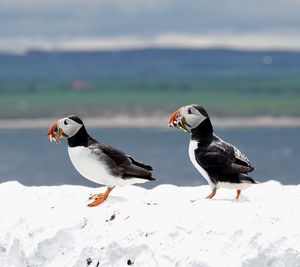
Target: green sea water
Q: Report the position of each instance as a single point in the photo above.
(142, 82)
(222, 98)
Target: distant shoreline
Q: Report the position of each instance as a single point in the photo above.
(154, 121)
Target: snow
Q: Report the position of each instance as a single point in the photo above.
(53, 227)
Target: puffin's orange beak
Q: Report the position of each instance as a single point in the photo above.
(173, 118)
(178, 121)
(52, 129)
(54, 132)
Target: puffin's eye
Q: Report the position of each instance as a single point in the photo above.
(189, 111)
(65, 122)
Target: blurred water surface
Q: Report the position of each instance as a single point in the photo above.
(28, 157)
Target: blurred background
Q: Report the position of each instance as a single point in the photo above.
(126, 65)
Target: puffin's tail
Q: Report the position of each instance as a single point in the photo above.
(245, 178)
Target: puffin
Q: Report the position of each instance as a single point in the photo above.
(98, 162)
(219, 162)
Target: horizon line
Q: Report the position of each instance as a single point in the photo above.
(236, 42)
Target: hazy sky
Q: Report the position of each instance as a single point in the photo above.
(92, 24)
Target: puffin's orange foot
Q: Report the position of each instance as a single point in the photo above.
(212, 194)
(99, 198)
(95, 196)
(97, 201)
(238, 192)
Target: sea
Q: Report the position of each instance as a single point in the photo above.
(27, 156)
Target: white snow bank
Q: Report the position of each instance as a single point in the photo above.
(52, 226)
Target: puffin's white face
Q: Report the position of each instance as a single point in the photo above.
(186, 118)
(68, 126)
(65, 127)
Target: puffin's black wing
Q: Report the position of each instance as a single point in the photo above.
(140, 164)
(240, 158)
(223, 156)
(121, 164)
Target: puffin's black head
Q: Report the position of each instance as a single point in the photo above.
(188, 117)
(65, 127)
(75, 118)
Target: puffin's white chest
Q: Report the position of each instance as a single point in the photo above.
(89, 166)
(194, 145)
